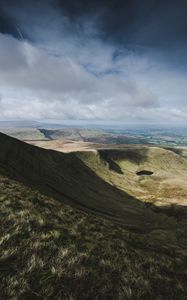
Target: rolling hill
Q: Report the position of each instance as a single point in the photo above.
(69, 223)
(166, 184)
(68, 178)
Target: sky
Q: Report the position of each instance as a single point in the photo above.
(118, 60)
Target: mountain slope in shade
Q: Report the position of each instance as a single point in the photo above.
(50, 250)
(56, 247)
(69, 179)
(127, 167)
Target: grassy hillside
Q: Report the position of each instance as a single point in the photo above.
(68, 178)
(167, 184)
(24, 133)
(50, 250)
(74, 134)
(68, 234)
(69, 134)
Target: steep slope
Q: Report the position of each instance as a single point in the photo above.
(123, 168)
(69, 179)
(50, 250)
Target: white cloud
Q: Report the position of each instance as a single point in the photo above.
(63, 81)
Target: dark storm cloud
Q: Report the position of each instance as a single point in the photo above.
(145, 23)
(85, 59)
(6, 25)
(136, 25)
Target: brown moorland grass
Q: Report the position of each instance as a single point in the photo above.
(68, 233)
(50, 250)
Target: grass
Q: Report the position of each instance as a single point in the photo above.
(68, 233)
(67, 178)
(25, 133)
(119, 167)
(50, 250)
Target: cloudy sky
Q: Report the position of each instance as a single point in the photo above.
(93, 60)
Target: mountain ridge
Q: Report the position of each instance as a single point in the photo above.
(67, 178)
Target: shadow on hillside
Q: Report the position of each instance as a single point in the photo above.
(66, 178)
(136, 155)
(133, 155)
(179, 212)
